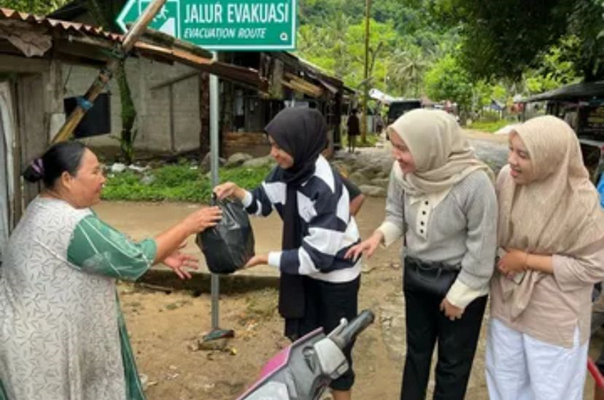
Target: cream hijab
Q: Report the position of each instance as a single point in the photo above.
(442, 156)
(558, 213)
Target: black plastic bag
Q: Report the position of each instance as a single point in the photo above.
(229, 245)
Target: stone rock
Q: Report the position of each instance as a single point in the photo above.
(259, 162)
(343, 156)
(237, 159)
(359, 178)
(369, 172)
(148, 179)
(373, 191)
(382, 182)
(384, 174)
(138, 168)
(214, 345)
(381, 165)
(118, 167)
(206, 162)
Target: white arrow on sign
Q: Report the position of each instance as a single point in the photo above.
(163, 21)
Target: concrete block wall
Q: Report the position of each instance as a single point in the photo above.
(152, 105)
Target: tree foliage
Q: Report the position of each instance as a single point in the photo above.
(38, 7)
(556, 68)
(447, 80)
(467, 51)
(338, 46)
(504, 38)
(403, 42)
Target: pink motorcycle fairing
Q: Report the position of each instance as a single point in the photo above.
(277, 363)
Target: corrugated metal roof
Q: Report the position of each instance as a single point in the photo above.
(65, 26)
(578, 91)
(147, 48)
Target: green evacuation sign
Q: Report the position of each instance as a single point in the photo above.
(223, 24)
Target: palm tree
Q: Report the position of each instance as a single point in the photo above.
(406, 69)
(336, 41)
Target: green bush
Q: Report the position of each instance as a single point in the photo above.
(180, 182)
(490, 116)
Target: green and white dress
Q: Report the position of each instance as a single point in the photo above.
(62, 333)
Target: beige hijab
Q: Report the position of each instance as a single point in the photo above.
(442, 156)
(558, 213)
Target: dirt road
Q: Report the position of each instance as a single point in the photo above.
(167, 329)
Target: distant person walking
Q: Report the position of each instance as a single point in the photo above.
(354, 130)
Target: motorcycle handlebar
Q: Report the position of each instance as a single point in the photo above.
(352, 330)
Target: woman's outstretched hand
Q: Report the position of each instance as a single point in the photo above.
(366, 247)
(258, 259)
(180, 262)
(203, 219)
(229, 189)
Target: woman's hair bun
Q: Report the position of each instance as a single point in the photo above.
(34, 171)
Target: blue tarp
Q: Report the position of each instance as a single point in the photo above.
(601, 190)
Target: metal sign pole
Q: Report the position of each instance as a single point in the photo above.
(214, 158)
(217, 332)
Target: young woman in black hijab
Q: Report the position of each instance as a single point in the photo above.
(319, 286)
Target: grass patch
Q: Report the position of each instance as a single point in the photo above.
(489, 126)
(181, 182)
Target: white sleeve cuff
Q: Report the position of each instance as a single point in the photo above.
(274, 259)
(247, 199)
(391, 232)
(460, 294)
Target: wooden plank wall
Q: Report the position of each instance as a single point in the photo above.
(38, 96)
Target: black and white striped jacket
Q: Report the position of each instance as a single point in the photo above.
(328, 228)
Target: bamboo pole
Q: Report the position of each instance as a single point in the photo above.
(106, 73)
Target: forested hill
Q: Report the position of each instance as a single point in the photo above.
(469, 51)
(405, 41)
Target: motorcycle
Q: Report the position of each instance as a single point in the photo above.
(304, 370)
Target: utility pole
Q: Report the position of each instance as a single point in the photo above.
(366, 74)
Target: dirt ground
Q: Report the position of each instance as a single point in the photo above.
(167, 329)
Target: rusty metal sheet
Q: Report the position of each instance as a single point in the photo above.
(65, 26)
(146, 48)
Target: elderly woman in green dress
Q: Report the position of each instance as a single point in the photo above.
(62, 334)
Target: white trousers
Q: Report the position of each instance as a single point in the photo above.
(520, 367)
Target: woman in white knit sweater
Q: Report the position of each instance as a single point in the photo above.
(442, 202)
